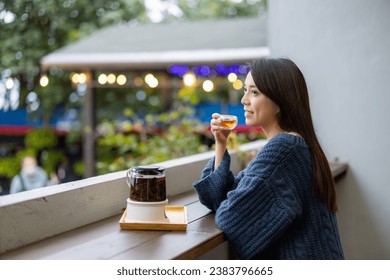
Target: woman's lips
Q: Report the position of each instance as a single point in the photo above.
(248, 113)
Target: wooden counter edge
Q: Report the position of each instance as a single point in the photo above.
(339, 170)
(202, 248)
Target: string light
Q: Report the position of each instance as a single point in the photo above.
(82, 78)
(153, 83)
(9, 83)
(121, 79)
(237, 84)
(149, 77)
(111, 78)
(189, 79)
(44, 81)
(178, 70)
(232, 77)
(208, 71)
(138, 82)
(151, 80)
(78, 78)
(189, 76)
(9, 92)
(74, 78)
(208, 85)
(102, 79)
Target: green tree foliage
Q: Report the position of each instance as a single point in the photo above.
(31, 29)
(40, 138)
(202, 9)
(40, 27)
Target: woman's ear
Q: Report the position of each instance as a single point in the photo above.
(277, 108)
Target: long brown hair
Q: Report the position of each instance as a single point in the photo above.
(281, 81)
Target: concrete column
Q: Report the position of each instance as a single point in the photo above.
(89, 125)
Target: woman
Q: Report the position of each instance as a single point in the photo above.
(282, 206)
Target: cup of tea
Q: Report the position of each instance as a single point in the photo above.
(228, 121)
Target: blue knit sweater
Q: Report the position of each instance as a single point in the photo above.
(267, 211)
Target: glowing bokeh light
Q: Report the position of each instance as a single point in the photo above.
(151, 80)
(153, 83)
(121, 79)
(74, 77)
(189, 79)
(237, 84)
(232, 77)
(111, 78)
(82, 78)
(9, 83)
(44, 81)
(149, 77)
(102, 79)
(178, 70)
(208, 86)
(138, 81)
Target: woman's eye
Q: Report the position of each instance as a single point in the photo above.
(252, 91)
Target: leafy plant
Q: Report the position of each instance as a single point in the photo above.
(50, 160)
(9, 167)
(39, 139)
(158, 138)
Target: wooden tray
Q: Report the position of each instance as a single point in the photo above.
(177, 220)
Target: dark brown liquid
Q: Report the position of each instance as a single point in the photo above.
(148, 189)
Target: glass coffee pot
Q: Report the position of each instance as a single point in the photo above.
(147, 183)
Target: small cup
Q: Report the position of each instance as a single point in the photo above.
(228, 121)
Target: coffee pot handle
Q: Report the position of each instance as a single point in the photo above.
(129, 174)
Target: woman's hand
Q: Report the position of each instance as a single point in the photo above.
(220, 133)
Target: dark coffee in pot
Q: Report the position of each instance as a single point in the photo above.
(147, 184)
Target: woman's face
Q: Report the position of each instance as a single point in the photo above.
(259, 109)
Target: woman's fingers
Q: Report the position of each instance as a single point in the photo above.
(214, 122)
(220, 133)
(215, 125)
(215, 116)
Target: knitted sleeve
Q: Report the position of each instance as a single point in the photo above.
(214, 185)
(260, 206)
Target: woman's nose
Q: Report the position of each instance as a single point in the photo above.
(244, 100)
